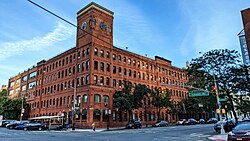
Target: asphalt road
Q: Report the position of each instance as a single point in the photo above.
(171, 133)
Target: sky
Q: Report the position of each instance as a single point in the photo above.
(174, 29)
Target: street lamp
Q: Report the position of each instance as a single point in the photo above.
(22, 111)
(74, 107)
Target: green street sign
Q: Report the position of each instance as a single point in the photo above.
(223, 99)
(198, 93)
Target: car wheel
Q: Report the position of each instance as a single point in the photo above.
(25, 129)
(11, 127)
(40, 128)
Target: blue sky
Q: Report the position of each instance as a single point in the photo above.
(174, 29)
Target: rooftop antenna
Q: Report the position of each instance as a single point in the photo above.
(126, 48)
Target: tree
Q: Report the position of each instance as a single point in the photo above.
(3, 93)
(11, 108)
(160, 101)
(128, 100)
(217, 65)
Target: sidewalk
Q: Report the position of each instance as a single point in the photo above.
(222, 137)
(96, 130)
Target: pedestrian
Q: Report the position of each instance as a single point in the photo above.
(93, 126)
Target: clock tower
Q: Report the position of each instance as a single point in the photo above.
(97, 23)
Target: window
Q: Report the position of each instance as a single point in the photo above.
(129, 61)
(119, 70)
(96, 51)
(102, 53)
(114, 83)
(95, 79)
(129, 72)
(102, 66)
(88, 51)
(85, 98)
(24, 78)
(105, 99)
(101, 80)
(97, 98)
(84, 115)
(107, 81)
(32, 84)
(23, 87)
(107, 67)
(82, 66)
(138, 64)
(119, 58)
(11, 92)
(70, 60)
(32, 75)
(114, 115)
(82, 80)
(114, 69)
(96, 115)
(124, 60)
(78, 68)
(17, 90)
(18, 81)
(87, 65)
(87, 80)
(114, 57)
(107, 54)
(134, 74)
(83, 53)
(134, 62)
(125, 71)
(120, 83)
(95, 65)
(139, 75)
(11, 84)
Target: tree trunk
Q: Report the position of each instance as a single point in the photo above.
(158, 113)
(232, 107)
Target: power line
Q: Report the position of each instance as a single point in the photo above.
(68, 22)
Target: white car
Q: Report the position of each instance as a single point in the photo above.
(181, 121)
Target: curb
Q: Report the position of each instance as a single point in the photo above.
(215, 138)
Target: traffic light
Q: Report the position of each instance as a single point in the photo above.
(214, 88)
(160, 89)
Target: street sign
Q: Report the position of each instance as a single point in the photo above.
(223, 99)
(198, 93)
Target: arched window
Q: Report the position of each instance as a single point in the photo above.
(105, 99)
(102, 53)
(96, 51)
(85, 98)
(97, 98)
(84, 115)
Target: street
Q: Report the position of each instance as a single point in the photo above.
(176, 133)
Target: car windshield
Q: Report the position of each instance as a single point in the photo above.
(242, 127)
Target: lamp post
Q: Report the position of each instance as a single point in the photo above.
(22, 111)
(74, 107)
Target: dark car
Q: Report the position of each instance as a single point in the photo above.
(240, 132)
(160, 123)
(31, 126)
(227, 125)
(212, 120)
(202, 121)
(134, 124)
(190, 121)
(12, 125)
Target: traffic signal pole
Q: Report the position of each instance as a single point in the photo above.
(222, 131)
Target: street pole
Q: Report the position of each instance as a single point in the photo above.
(222, 131)
(74, 106)
(21, 111)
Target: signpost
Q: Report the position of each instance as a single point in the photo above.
(198, 93)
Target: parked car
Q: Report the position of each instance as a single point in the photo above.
(160, 123)
(181, 122)
(202, 121)
(5, 122)
(134, 124)
(190, 121)
(212, 120)
(31, 126)
(15, 123)
(227, 125)
(240, 132)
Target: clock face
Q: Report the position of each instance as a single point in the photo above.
(84, 25)
(103, 26)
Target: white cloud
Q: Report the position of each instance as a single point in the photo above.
(60, 33)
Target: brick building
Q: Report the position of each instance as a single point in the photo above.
(92, 71)
(245, 36)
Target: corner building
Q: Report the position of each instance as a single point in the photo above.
(93, 71)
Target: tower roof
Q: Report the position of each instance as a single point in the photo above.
(96, 6)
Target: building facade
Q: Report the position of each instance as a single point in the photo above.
(91, 72)
(244, 36)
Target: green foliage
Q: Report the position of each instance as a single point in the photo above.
(11, 108)
(3, 93)
(160, 101)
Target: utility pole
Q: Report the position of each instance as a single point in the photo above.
(74, 107)
(222, 131)
(22, 111)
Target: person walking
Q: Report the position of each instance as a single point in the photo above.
(93, 126)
